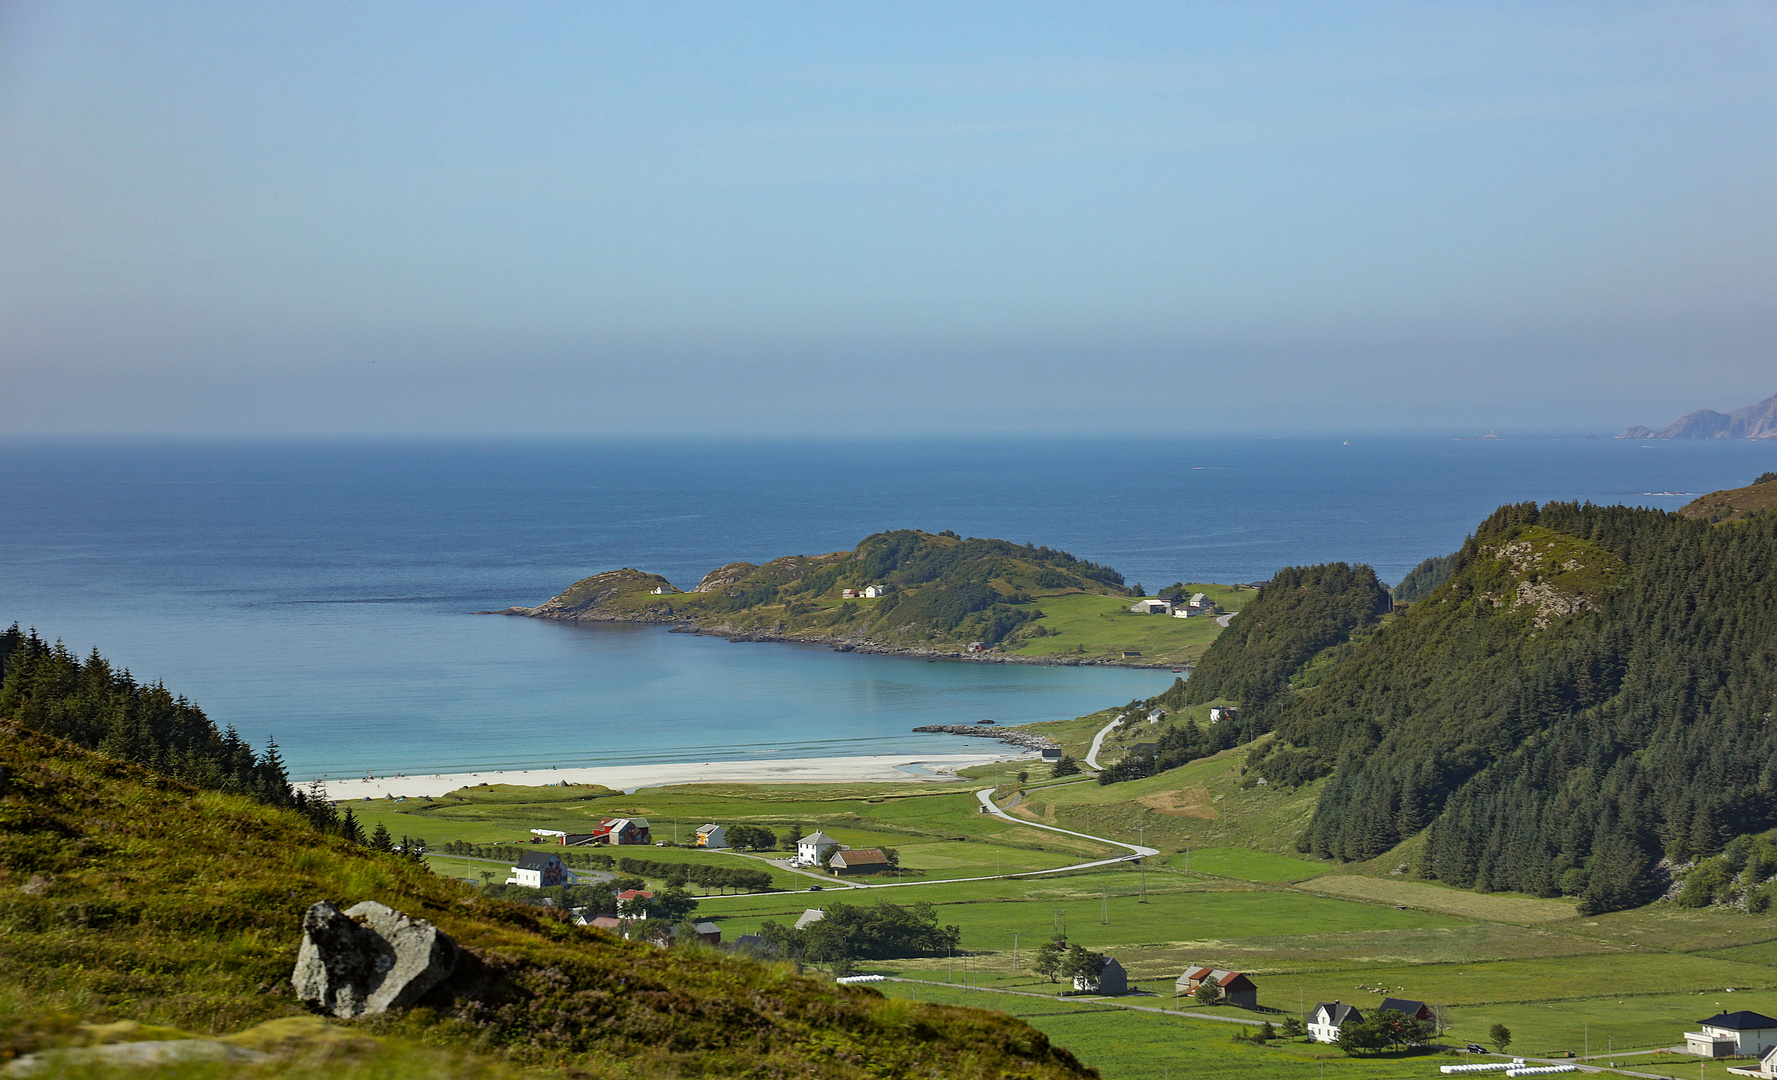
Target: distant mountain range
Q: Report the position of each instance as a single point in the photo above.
(1753, 422)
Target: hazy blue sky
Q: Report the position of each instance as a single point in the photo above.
(603, 218)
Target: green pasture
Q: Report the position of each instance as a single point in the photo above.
(1202, 804)
(1124, 1044)
(1246, 864)
(991, 912)
(1084, 624)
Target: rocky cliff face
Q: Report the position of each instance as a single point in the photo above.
(1753, 422)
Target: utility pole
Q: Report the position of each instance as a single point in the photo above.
(1014, 952)
(1104, 919)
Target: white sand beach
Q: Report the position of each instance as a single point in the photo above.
(907, 767)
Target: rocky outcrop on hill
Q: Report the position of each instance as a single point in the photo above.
(1753, 422)
(723, 576)
(982, 731)
(368, 958)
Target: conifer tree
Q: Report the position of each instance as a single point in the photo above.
(380, 838)
(350, 829)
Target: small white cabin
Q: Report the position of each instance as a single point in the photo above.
(871, 592)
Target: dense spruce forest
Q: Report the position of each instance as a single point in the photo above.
(1300, 611)
(90, 703)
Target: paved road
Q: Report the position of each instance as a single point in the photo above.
(1223, 620)
(1098, 743)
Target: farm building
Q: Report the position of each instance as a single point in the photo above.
(809, 917)
(1418, 1010)
(1151, 607)
(712, 836)
(860, 861)
(1326, 1019)
(622, 831)
(1735, 1034)
(1236, 988)
(1112, 979)
(540, 870)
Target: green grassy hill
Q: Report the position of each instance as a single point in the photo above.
(941, 593)
(128, 896)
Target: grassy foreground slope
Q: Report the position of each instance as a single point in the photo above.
(128, 896)
(941, 593)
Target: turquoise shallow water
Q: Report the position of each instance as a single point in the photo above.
(321, 592)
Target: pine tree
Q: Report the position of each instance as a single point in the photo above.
(380, 838)
(350, 829)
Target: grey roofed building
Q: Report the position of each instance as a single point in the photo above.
(1112, 979)
(1328, 1017)
(1418, 1010)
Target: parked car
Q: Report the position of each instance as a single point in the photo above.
(814, 888)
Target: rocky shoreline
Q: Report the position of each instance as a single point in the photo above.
(983, 731)
(682, 625)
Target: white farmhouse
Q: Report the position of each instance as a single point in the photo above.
(814, 847)
(871, 592)
(1735, 1034)
(540, 870)
(712, 836)
(1326, 1019)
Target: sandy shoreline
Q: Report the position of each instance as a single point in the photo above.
(904, 767)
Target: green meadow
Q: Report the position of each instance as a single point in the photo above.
(1089, 625)
(1228, 890)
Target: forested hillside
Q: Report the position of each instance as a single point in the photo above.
(1299, 612)
(938, 588)
(1590, 692)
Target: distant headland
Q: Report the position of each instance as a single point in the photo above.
(933, 595)
(1753, 422)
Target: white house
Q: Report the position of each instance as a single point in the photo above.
(712, 836)
(540, 869)
(1183, 611)
(814, 847)
(1735, 1034)
(871, 592)
(1151, 607)
(1324, 1022)
(662, 590)
(1766, 1069)
(1199, 600)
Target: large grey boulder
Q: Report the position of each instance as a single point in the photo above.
(368, 958)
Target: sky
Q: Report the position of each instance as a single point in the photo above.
(926, 219)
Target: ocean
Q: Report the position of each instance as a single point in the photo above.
(322, 592)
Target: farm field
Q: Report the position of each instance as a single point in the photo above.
(1128, 1045)
(1088, 625)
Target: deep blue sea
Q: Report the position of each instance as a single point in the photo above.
(322, 592)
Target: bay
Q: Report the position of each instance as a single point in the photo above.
(322, 591)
